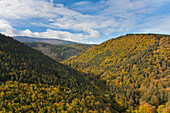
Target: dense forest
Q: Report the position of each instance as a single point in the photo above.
(128, 74)
(136, 68)
(33, 82)
(59, 52)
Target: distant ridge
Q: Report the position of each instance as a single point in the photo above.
(59, 52)
(44, 40)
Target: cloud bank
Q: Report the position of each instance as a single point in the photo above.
(81, 21)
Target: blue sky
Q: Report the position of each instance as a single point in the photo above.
(85, 21)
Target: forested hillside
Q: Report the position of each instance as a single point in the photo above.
(33, 82)
(22, 63)
(136, 68)
(59, 52)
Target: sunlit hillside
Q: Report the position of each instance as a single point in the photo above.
(135, 67)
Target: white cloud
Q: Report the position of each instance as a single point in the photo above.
(21, 9)
(27, 32)
(82, 3)
(59, 35)
(61, 16)
(126, 5)
(6, 28)
(61, 22)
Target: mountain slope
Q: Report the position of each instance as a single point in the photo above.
(59, 52)
(33, 82)
(23, 63)
(44, 40)
(135, 67)
(112, 52)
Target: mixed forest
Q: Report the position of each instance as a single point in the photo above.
(128, 74)
(136, 68)
(33, 82)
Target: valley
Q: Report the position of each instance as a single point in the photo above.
(59, 52)
(84, 56)
(126, 74)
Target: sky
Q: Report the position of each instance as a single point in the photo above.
(84, 21)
